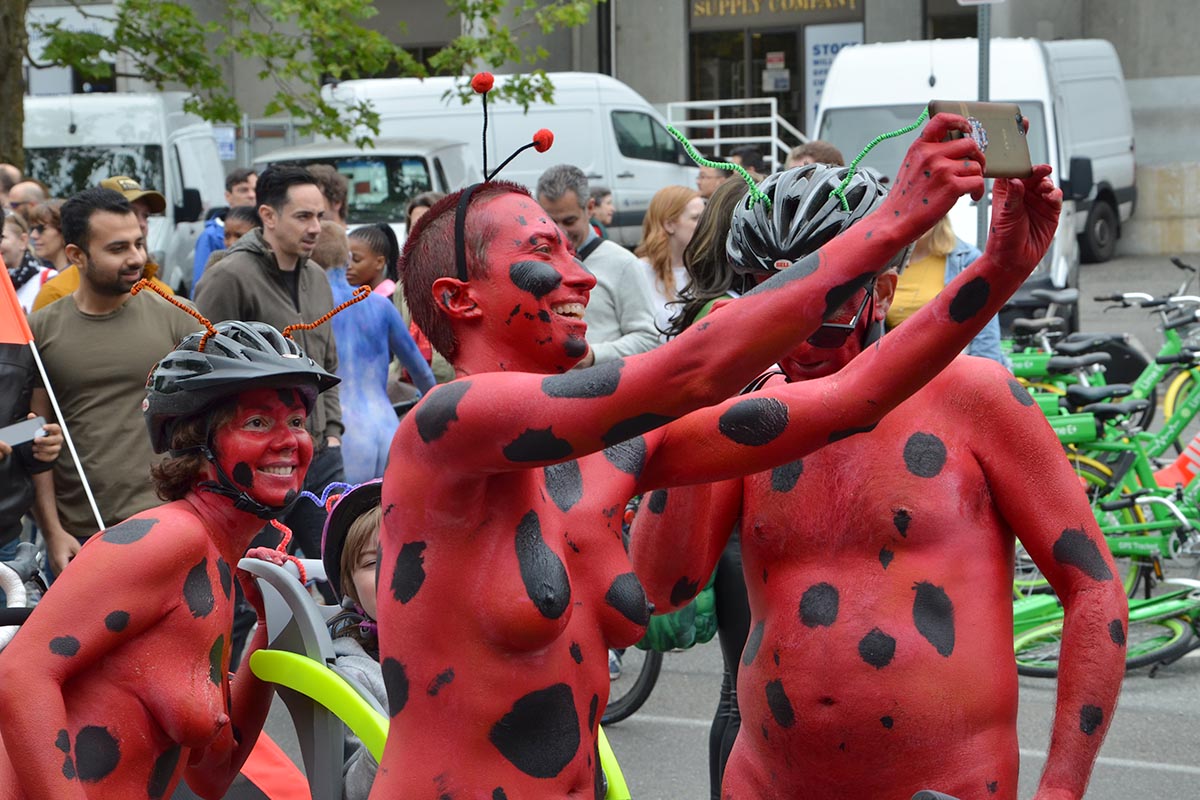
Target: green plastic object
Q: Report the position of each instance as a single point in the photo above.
(1074, 428)
(695, 623)
(313, 679)
(617, 788)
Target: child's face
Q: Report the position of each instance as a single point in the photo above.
(364, 576)
(234, 230)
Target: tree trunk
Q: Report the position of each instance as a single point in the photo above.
(13, 38)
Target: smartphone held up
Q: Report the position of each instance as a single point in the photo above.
(998, 129)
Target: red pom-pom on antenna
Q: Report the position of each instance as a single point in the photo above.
(482, 82)
(542, 140)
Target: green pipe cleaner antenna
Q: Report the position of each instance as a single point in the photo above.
(840, 191)
(756, 195)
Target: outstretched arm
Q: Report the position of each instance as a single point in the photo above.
(539, 421)
(404, 348)
(783, 423)
(1039, 496)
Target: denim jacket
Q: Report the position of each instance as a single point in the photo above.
(987, 343)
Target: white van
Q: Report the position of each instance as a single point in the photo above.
(383, 178)
(1073, 94)
(600, 125)
(72, 142)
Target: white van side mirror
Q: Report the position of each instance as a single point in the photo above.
(1079, 185)
(191, 208)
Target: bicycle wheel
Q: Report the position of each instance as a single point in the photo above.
(627, 693)
(1180, 387)
(1152, 641)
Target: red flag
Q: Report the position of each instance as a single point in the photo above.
(14, 329)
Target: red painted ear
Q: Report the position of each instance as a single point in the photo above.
(482, 82)
(542, 140)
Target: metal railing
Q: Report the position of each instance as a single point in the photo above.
(753, 112)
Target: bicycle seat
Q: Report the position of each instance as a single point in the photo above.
(1110, 411)
(1025, 327)
(1074, 344)
(1060, 297)
(1083, 395)
(1061, 365)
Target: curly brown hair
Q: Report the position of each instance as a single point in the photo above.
(175, 476)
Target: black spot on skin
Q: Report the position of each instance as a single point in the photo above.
(658, 501)
(765, 734)
(1076, 549)
(924, 455)
(521, 220)
(564, 482)
(836, 297)
(798, 270)
(753, 642)
(877, 648)
(129, 531)
(925, 201)
(628, 456)
(409, 573)
(837, 436)
(438, 409)
(1018, 391)
(542, 571)
(498, 794)
(928, 174)
(684, 590)
(576, 653)
(536, 277)
(775, 656)
(626, 595)
(215, 654)
(225, 575)
(197, 590)
(587, 384)
(819, 605)
(754, 422)
(827, 701)
(887, 722)
(543, 315)
(575, 346)
(993, 787)
(97, 753)
(593, 707)
(1116, 632)
(160, 775)
(442, 680)
(537, 444)
(885, 557)
(780, 705)
(63, 740)
(540, 735)
(784, 479)
(1090, 719)
(64, 646)
(116, 621)
(901, 519)
(68, 769)
(395, 679)
(933, 614)
(634, 426)
(970, 300)
(243, 474)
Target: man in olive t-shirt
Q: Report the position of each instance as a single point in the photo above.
(98, 346)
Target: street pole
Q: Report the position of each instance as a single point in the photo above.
(984, 20)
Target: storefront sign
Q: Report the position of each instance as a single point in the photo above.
(708, 15)
(821, 44)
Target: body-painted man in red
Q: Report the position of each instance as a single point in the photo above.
(879, 571)
(503, 580)
(118, 685)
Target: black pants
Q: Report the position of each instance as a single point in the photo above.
(306, 520)
(733, 627)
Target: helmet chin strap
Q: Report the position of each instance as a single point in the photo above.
(225, 487)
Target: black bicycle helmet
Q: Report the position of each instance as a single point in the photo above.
(241, 356)
(803, 216)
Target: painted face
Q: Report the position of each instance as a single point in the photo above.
(242, 194)
(234, 230)
(293, 229)
(682, 227)
(47, 241)
(536, 290)
(364, 576)
(265, 448)
(809, 361)
(116, 253)
(13, 244)
(570, 215)
(366, 266)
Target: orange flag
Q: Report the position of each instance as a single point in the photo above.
(14, 329)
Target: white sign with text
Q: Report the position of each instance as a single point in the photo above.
(821, 44)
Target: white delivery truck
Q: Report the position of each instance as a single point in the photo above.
(72, 142)
(600, 125)
(1073, 94)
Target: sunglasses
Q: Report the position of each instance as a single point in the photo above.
(835, 334)
(38, 229)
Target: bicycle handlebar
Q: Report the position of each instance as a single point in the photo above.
(1185, 357)
(1180, 320)
(1181, 265)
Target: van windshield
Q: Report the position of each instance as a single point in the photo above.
(851, 129)
(380, 186)
(69, 170)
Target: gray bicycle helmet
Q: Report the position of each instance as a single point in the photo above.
(241, 356)
(802, 217)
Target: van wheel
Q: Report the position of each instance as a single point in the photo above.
(1098, 242)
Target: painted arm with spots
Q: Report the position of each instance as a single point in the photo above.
(777, 425)
(1039, 497)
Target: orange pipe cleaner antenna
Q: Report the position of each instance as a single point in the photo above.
(361, 293)
(146, 283)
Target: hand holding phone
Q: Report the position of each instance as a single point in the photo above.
(999, 131)
(21, 432)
